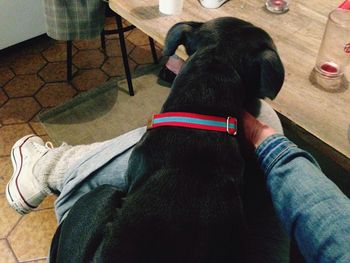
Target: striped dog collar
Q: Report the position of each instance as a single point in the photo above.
(194, 121)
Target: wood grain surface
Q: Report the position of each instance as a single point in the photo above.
(322, 112)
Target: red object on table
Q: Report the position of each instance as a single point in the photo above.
(345, 5)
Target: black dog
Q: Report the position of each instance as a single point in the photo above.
(184, 201)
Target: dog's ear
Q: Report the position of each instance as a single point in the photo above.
(182, 33)
(264, 71)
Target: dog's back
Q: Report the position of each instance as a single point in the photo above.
(184, 203)
(186, 208)
(176, 219)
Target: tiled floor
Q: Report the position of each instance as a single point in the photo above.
(33, 79)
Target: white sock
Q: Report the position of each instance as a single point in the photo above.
(51, 169)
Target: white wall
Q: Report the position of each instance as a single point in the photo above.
(20, 20)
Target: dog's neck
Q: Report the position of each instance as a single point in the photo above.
(206, 86)
(194, 121)
(191, 99)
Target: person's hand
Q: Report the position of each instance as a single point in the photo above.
(254, 130)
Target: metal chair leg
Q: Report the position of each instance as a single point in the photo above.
(103, 40)
(69, 60)
(124, 53)
(153, 50)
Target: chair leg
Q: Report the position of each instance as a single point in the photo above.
(124, 53)
(103, 41)
(153, 50)
(69, 60)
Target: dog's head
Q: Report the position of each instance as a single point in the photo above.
(237, 51)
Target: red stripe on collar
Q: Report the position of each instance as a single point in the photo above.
(194, 121)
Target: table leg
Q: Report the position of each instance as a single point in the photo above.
(124, 54)
(153, 50)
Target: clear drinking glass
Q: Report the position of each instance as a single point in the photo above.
(334, 52)
(171, 7)
(277, 6)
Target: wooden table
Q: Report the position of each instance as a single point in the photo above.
(321, 116)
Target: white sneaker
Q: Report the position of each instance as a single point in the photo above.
(24, 192)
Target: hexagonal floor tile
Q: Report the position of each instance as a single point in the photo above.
(57, 52)
(46, 138)
(143, 55)
(53, 94)
(31, 238)
(137, 37)
(125, 22)
(28, 64)
(88, 79)
(37, 127)
(3, 97)
(55, 71)
(5, 173)
(47, 203)
(87, 44)
(113, 48)
(113, 66)
(6, 75)
(19, 110)
(10, 134)
(8, 218)
(110, 24)
(38, 261)
(6, 254)
(87, 59)
(110, 20)
(23, 85)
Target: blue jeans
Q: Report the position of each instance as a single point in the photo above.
(311, 208)
(107, 165)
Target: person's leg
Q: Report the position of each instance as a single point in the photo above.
(40, 170)
(171, 68)
(79, 181)
(268, 242)
(265, 113)
(24, 191)
(53, 167)
(105, 164)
